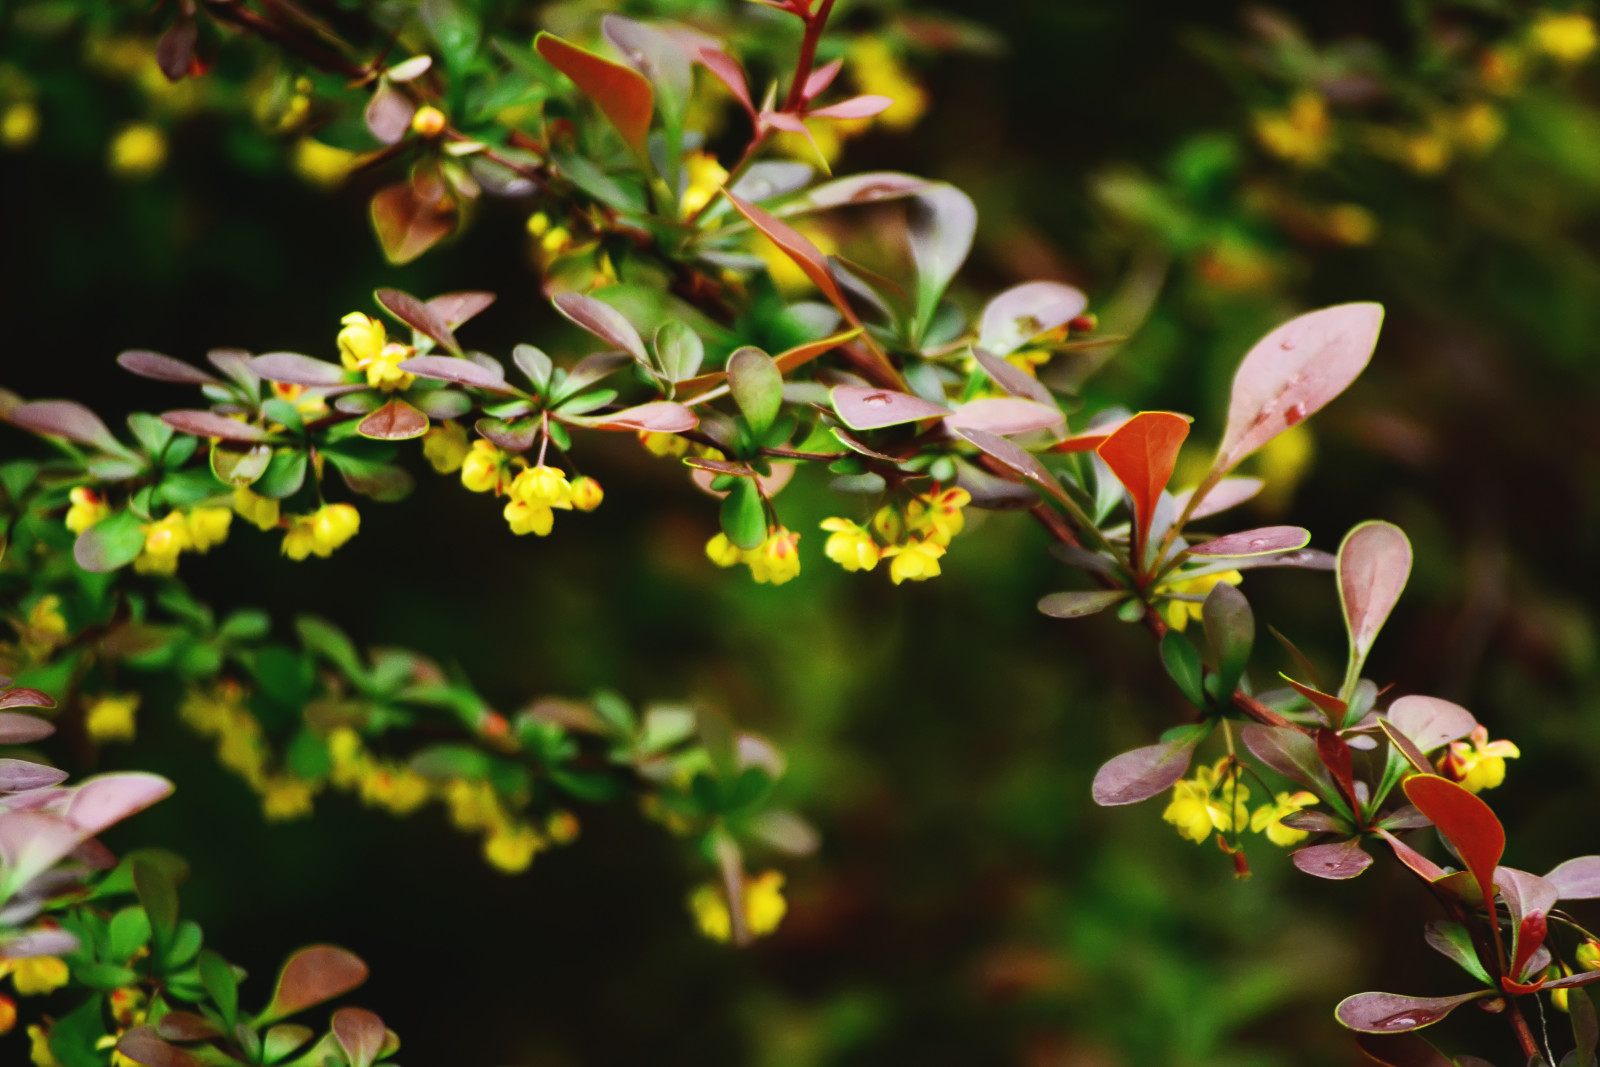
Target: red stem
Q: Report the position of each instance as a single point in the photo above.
(808, 54)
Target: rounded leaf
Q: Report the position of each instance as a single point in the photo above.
(1023, 312)
(1392, 1013)
(1143, 772)
(163, 368)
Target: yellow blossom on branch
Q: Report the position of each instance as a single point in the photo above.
(486, 469)
(37, 975)
(764, 907)
(914, 561)
(1179, 613)
(261, 511)
(1302, 134)
(319, 533)
(88, 507)
(111, 718)
(1269, 817)
(207, 527)
(777, 559)
(1213, 800)
(850, 545)
(1477, 763)
(445, 446)
(1567, 37)
(164, 541)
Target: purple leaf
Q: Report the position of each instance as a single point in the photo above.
(420, 317)
(864, 408)
(869, 188)
(1144, 772)
(187, 1026)
(31, 842)
(943, 220)
(63, 418)
(453, 309)
(175, 50)
(1023, 312)
(1266, 540)
(40, 941)
(1292, 372)
(458, 371)
(1292, 754)
(1429, 722)
(1076, 604)
(1228, 493)
(509, 435)
(16, 729)
(292, 368)
(1374, 563)
(1318, 822)
(658, 416)
(105, 800)
(1404, 1050)
(17, 775)
(1016, 459)
(143, 1045)
(1525, 893)
(1336, 860)
(1391, 1013)
(1012, 380)
(24, 697)
(1577, 878)
(164, 368)
(604, 321)
(202, 423)
(389, 113)
(311, 976)
(857, 107)
(395, 421)
(1006, 415)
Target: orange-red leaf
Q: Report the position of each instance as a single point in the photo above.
(624, 95)
(797, 247)
(1466, 822)
(1142, 453)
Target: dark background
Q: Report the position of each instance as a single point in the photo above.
(969, 904)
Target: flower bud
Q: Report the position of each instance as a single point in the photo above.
(586, 494)
(428, 122)
(1588, 955)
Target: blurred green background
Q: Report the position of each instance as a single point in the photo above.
(969, 904)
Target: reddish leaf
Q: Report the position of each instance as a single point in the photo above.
(1228, 493)
(411, 217)
(1402, 1050)
(24, 697)
(1012, 380)
(1391, 1013)
(389, 113)
(17, 775)
(942, 222)
(870, 188)
(163, 368)
(1335, 756)
(175, 50)
(1429, 722)
(1006, 415)
(457, 308)
(395, 421)
(1294, 755)
(604, 321)
(1577, 879)
(459, 371)
(1527, 939)
(864, 408)
(187, 1026)
(1143, 772)
(1466, 822)
(805, 255)
(511, 436)
(1292, 372)
(17, 729)
(292, 368)
(1337, 860)
(1023, 312)
(1374, 563)
(1141, 453)
(420, 317)
(1329, 705)
(203, 423)
(360, 1033)
(857, 107)
(1016, 459)
(820, 79)
(143, 1045)
(726, 70)
(107, 799)
(800, 355)
(624, 95)
(311, 976)
(1260, 542)
(63, 418)
(658, 416)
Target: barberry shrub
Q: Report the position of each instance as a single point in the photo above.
(732, 339)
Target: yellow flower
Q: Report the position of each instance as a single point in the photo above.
(163, 542)
(938, 516)
(361, 340)
(39, 1049)
(19, 124)
(45, 621)
(472, 804)
(322, 165)
(663, 444)
(1269, 817)
(445, 446)
(138, 151)
(1179, 613)
(37, 975)
(878, 71)
(207, 527)
(705, 176)
(889, 524)
(259, 510)
(1478, 127)
(1566, 37)
(1477, 763)
(586, 493)
(110, 718)
(563, 827)
(914, 561)
(777, 560)
(286, 798)
(1302, 134)
(850, 545)
(399, 789)
(511, 847)
(126, 1005)
(722, 552)
(764, 907)
(319, 533)
(484, 469)
(428, 121)
(525, 518)
(1214, 799)
(88, 507)
(542, 486)
(1349, 224)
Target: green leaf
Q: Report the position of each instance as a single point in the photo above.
(329, 642)
(1231, 630)
(757, 386)
(222, 985)
(744, 520)
(284, 475)
(1182, 661)
(105, 976)
(679, 350)
(239, 467)
(151, 432)
(113, 542)
(158, 892)
(128, 932)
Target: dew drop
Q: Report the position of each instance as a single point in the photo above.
(876, 400)
(1258, 542)
(1287, 344)
(1295, 414)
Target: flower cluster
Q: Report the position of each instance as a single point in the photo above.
(320, 532)
(1215, 800)
(774, 561)
(1477, 763)
(914, 538)
(364, 346)
(221, 712)
(764, 907)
